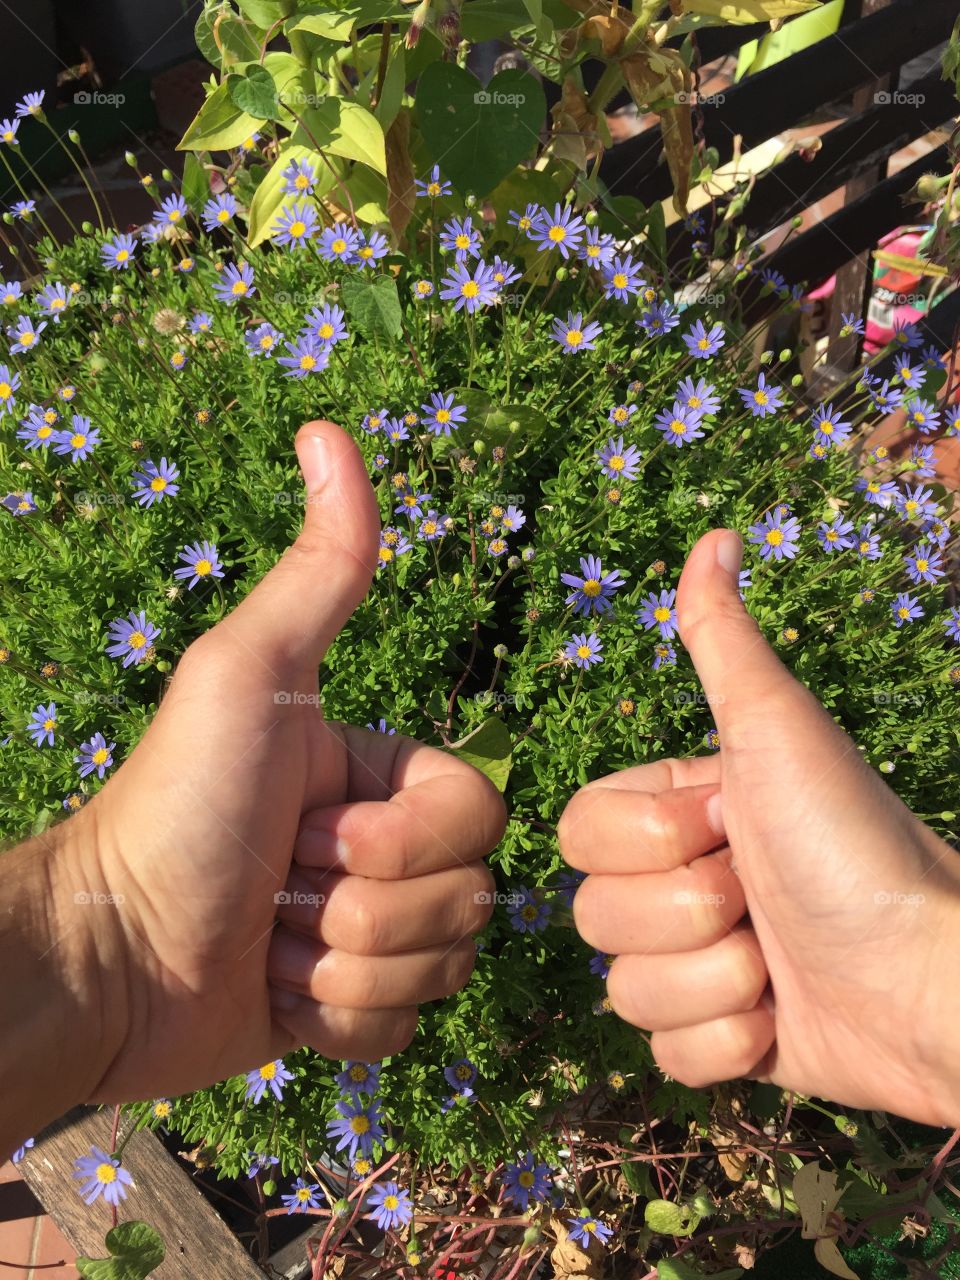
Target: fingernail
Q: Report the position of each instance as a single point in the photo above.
(292, 958)
(730, 552)
(318, 847)
(714, 812)
(313, 462)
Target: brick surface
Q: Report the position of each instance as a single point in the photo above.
(28, 1239)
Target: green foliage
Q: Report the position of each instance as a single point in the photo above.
(479, 134)
(135, 1250)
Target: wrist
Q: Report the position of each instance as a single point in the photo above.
(63, 1000)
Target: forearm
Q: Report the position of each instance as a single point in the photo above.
(57, 970)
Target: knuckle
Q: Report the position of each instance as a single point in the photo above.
(366, 927)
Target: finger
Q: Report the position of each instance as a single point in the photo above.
(615, 828)
(723, 1049)
(303, 965)
(360, 1034)
(663, 992)
(739, 671)
(299, 607)
(662, 911)
(378, 918)
(436, 812)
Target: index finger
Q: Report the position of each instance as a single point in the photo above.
(650, 818)
(434, 811)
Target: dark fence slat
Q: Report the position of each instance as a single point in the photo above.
(848, 151)
(783, 95)
(815, 255)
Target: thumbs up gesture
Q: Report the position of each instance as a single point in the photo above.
(775, 910)
(277, 880)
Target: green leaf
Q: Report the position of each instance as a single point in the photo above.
(344, 129)
(218, 125)
(263, 12)
(255, 93)
(669, 1219)
(676, 1269)
(479, 135)
(135, 1250)
(394, 83)
(195, 185)
(331, 24)
(203, 34)
(373, 305)
(744, 11)
(239, 41)
(489, 749)
(270, 195)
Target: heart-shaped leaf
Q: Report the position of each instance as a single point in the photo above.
(135, 1250)
(255, 93)
(479, 135)
(489, 749)
(373, 305)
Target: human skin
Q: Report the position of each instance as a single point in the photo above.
(139, 946)
(775, 910)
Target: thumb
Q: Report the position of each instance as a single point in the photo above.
(747, 687)
(294, 613)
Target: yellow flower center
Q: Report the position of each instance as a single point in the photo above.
(137, 640)
(761, 397)
(158, 484)
(433, 189)
(470, 289)
(202, 568)
(574, 337)
(526, 1179)
(77, 441)
(339, 245)
(308, 362)
(774, 537)
(390, 1202)
(360, 1124)
(619, 280)
(615, 462)
(100, 756)
(325, 331)
(106, 1173)
(269, 1071)
(583, 651)
(922, 566)
(50, 724)
(27, 337)
(239, 287)
(557, 234)
(223, 215)
(591, 587)
(6, 391)
(298, 228)
(661, 613)
(443, 415)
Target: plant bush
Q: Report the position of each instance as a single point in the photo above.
(563, 437)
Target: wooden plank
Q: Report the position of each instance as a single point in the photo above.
(816, 254)
(785, 94)
(198, 1242)
(852, 288)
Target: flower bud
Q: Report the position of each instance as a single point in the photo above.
(130, 159)
(591, 217)
(785, 355)
(86, 227)
(73, 136)
(167, 175)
